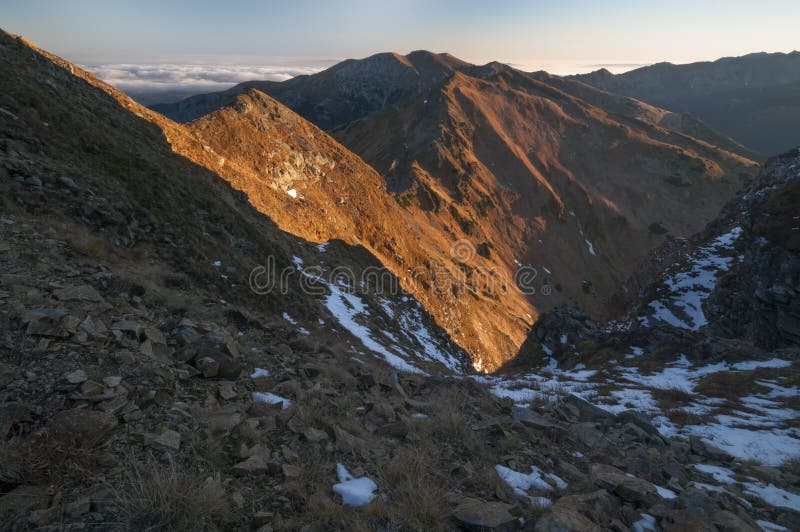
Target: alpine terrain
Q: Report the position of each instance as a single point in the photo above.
(404, 293)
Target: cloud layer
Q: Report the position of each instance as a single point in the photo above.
(168, 77)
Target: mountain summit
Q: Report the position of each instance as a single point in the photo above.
(345, 92)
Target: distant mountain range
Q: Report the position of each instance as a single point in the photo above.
(530, 170)
(754, 99)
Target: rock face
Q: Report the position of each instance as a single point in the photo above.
(557, 330)
(552, 190)
(748, 98)
(759, 298)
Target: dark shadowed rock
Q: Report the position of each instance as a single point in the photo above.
(477, 515)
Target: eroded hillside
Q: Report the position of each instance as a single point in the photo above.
(539, 177)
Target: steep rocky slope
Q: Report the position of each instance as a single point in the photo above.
(618, 104)
(535, 176)
(485, 162)
(753, 98)
(313, 187)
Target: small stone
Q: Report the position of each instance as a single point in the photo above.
(112, 381)
(76, 377)
(227, 392)
(169, 439)
(67, 182)
(207, 366)
(91, 388)
(254, 464)
(79, 293)
(291, 471)
(315, 435)
(78, 508)
(33, 181)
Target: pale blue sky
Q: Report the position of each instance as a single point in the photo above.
(511, 31)
(162, 45)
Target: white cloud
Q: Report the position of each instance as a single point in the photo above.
(164, 77)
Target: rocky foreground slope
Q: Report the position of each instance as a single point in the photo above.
(147, 383)
(710, 346)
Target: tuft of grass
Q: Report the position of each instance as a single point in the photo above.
(730, 384)
(417, 498)
(12, 463)
(156, 497)
(670, 398)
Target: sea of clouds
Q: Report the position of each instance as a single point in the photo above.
(155, 77)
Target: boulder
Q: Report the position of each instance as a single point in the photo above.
(473, 514)
(565, 519)
(628, 488)
(83, 292)
(726, 521)
(586, 410)
(589, 435)
(599, 506)
(46, 322)
(639, 419)
(528, 417)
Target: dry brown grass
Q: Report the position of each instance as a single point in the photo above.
(792, 466)
(158, 497)
(730, 384)
(84, 241)
(12, 463)
(670, 398)
(416, 498)
(54, 460)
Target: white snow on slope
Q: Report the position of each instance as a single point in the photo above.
(271, 399)
(770, 447)
(347, 307)
(259, 372)
(759, 429)
(354, 491)
(688, 289)
(522, 482)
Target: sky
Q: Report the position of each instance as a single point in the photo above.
(215, 43)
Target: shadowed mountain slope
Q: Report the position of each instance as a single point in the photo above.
(536, 176)
(755, 99)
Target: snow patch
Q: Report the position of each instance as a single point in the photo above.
(354, 491)
(271, 399)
